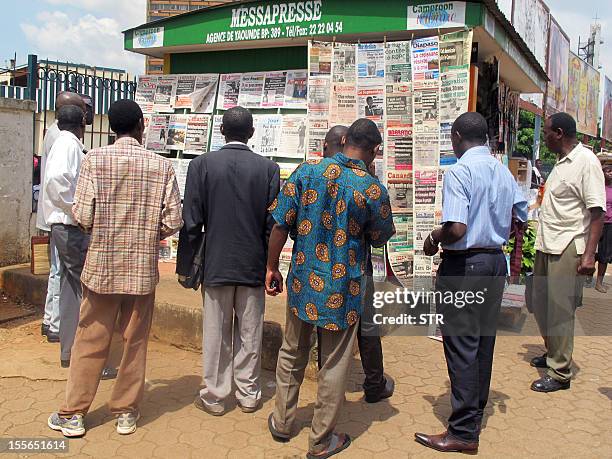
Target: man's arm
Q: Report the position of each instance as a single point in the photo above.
(273, 189)
(83, 209)
(587, 260)
(194, 215)
(278, 238)
(520, 206)
(171, 220)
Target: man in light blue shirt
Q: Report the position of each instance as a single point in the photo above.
(480, 197)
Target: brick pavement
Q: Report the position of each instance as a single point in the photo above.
(519, 422)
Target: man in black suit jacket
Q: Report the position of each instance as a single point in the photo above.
(227, 194)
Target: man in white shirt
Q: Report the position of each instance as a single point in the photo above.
(59, 185)
(571, 221)
(50, 324)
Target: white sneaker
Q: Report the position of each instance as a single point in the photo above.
(126, 423)
(72, 427)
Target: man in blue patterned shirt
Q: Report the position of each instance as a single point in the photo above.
(334, 209)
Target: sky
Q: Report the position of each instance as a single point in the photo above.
(89, 31)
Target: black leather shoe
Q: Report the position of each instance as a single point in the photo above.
(548, 384)
(539, 362)
(44, 329)
(52, 337)
(65, 363)
(446, 443)
(385, 393)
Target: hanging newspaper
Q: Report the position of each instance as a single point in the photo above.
(146, 120)
(317, 130)
(229, 89)
(343, 104)
(181, 166)
(177, 131)
(184, 87)
(454, 94)
(286, 169)
(251, 89)
(296, 91)
(145, 92)
(216, 138)
(343, 63)
(423, 280)
(370, 64)
(425, 59)
(398, 146)
(379, 264)
(399, 185)
(196, 140)
(425, 187)
(425, 150)
(401, 241)
(293, 137)
(447, 156)
(157, 133)
(399, 102)
(165, 93)
(371, 102)
(274, 90)
(455, 50)
(267, 138)
(425, 110)
(319, 58)
(424, 223)
(203, 96)
(318, 97)
(402, 266)
(397, 62)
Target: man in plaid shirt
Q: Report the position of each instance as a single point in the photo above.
(128, 199)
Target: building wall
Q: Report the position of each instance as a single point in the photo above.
(16, 140)
(158, 9)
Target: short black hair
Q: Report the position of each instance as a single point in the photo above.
(69, 117)
(472, 127)
(335, 134)
(237, 123)
(363, 134)
(124, 116)
(565, 122)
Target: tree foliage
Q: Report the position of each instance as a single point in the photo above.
(525, 138)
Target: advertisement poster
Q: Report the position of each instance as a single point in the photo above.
(165, 93)
(145, 92)
(558, 67)
(343, 104)
(157, 133)
(343, 63)
(319, 58)
(425, 59)
(531, 21)
(606, 129)
(370, 64)
(296, 90)
(177, 131)
(251, 89)
(293, 137)
(196, 139)
(591, 77)
(573, 84)
(229, 89)
(583, 95)
(399, 185)
(397, 62)
(274, 89)
(216, 139)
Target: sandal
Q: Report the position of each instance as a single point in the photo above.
(276, 435)
(338, 442)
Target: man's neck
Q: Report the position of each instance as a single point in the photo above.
(566, 149)
(354, 153)
(127, 136)
(244, 141)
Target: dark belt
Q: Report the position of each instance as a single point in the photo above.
(468, 252)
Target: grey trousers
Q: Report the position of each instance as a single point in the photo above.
(233, 329)
(557, 292)
(71, 244)
(335, 349)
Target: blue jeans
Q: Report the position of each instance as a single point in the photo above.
(51, 316)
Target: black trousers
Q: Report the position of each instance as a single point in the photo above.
(370, 346)
(470, 326)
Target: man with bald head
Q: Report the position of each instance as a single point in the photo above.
(375, 387)
(51, 320)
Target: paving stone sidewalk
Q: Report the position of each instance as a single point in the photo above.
(519, 422)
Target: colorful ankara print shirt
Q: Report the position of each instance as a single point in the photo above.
(334, 210)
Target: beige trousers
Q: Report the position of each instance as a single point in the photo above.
(92, 346)
(335, 355)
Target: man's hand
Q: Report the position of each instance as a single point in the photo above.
(430, 248)
(271, 276)
(586, 266)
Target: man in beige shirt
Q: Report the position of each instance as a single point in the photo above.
(570, 224)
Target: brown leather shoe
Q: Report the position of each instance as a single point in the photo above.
(446, 443)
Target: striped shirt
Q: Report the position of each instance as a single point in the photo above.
(128, 198)
(481, 193)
